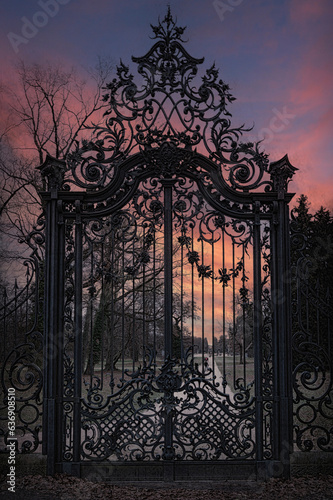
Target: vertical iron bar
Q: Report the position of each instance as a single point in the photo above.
(168, 268)
(234, 312)
(27, 300)
(202, 312)
(5, 324)
(60, 333)
(192, 293)
(144, 306)
(213, 309)
(91, 314)
(123, 313)
(46, 448)
(154, 299)
(112, 315)
(257, 330)
(169, 452)
(287, 400)
(318, 312)
(328, 308)
(182, 299)
(78, 335)
(133, 308)
(51, 332)
(15, 311)
(307, 311)
(275, 341)
(244, 317)
(103, 317)
(224, 381)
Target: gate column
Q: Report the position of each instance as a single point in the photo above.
(281, 173)
(52, 171)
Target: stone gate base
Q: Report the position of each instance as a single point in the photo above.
(302, 464)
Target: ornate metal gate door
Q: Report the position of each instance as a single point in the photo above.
(167, 314)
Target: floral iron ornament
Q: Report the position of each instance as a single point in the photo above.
(170, 111)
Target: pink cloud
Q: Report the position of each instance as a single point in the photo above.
(307, 10)
(308, 150)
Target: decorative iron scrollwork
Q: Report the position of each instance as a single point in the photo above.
(165, 120)
(169, 382)
(129, 425)
(312, 348)
(21, 331)
(167, 159)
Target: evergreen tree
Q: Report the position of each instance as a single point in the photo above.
(303, 216)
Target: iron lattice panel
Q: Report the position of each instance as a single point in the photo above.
(207, 425)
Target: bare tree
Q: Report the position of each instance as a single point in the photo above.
(52, 106)
(45, 111)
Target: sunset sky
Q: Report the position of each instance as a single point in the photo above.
(276, 56)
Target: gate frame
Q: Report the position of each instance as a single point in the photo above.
(281, 172)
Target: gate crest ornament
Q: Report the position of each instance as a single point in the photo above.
(172, 106)
(167, 159)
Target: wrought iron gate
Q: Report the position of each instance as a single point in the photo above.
(167, 308)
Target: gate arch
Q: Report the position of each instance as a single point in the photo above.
(159, 231)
